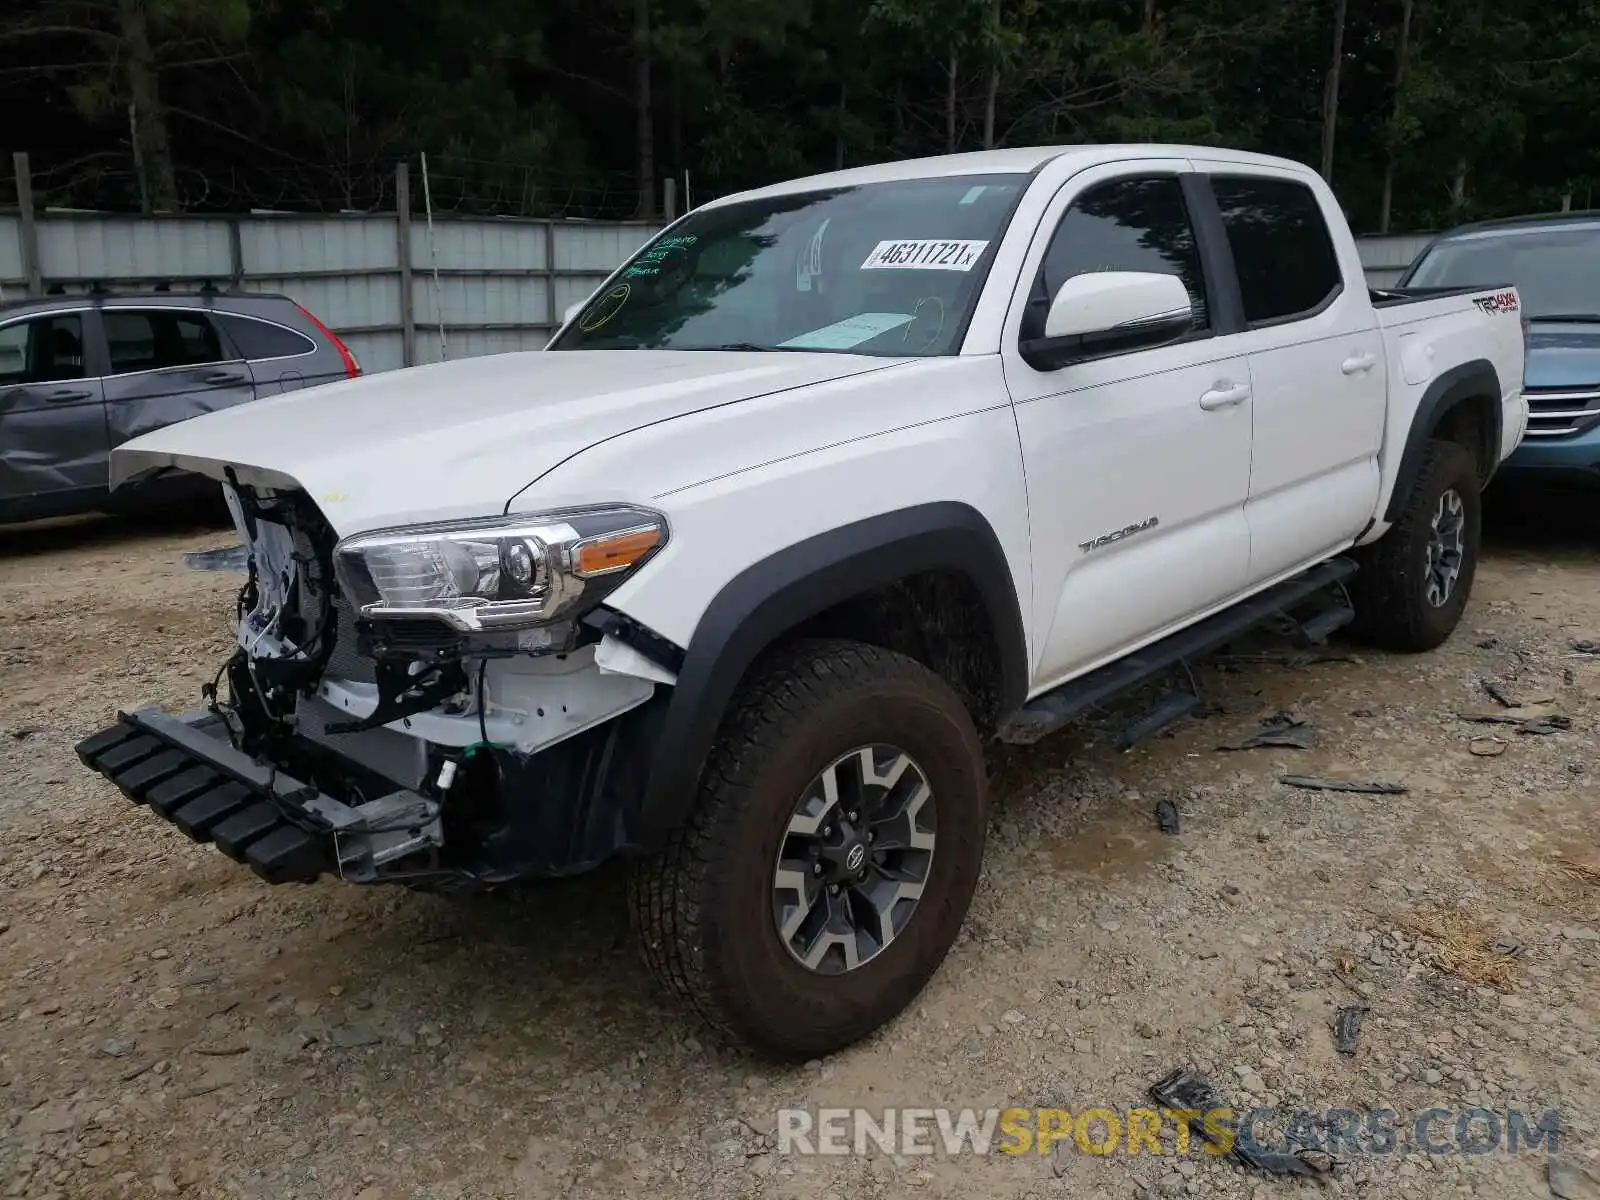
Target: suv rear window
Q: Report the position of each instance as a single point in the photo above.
(1281, 249)
(262, 339)
(150, 339)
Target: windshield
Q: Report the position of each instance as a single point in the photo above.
(1556, 270)
(884, 268)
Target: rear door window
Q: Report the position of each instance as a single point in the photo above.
(1281, 247)
(257, 340)
(154, 339)
(43, 350)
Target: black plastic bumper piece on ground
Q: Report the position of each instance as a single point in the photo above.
(1045, 714)
(187, 773)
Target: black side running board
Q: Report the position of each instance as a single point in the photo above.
(1045, 714)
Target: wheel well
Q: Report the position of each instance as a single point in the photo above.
(1470, 422)
(937, 618)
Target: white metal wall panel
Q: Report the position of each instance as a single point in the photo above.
(570, 291)
(11, 250)
(479, 245)
(1390, 252)
(343, 301)
(471, 343)
(582, 246)
(288, 245)
(482, 300)
(133, 248)
(382, 350)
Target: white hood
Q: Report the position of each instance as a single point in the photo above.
(459, 439)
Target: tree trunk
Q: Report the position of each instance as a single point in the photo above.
(644, 111)
(1458, 189)
(677, 164)
(950, 106)
(1330, 91)
(1401, 51)
(1147, 21)
(994, 82)
(838, 133)
(152, 150)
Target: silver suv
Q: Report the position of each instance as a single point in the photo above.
(81, 374)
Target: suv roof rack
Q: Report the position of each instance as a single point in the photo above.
(157, 287)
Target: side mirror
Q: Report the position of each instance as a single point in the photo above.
(1109, 312)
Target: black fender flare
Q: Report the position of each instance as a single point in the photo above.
(774, 595)
(1475, 378)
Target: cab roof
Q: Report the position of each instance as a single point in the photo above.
(1019, 160)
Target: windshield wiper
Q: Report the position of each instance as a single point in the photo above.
(1576, 318)
(740, 346)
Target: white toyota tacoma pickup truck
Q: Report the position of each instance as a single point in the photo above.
(829, 484)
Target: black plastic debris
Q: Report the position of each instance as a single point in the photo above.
(1347, 1027)
(1167, 819)
(1317, 783)
(1554, 723)
(1182, 1090)
(1499, 694)
(229, 558)
(1280, 729)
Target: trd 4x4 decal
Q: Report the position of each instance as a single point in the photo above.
(1500, 302)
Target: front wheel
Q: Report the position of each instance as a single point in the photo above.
(1413, 583)
(831, 856)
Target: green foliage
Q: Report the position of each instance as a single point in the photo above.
(534, 108)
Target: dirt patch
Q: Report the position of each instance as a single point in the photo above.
(171, 1025)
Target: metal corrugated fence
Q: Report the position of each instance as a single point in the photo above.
(1385, 257)
(382, 282)
(502, 283)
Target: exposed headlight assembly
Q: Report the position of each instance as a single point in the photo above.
(501, 573)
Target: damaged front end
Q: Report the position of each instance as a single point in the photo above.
(434, 705)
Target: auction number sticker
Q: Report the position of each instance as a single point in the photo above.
(924, 255)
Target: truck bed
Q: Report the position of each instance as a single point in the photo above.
(1391, 297)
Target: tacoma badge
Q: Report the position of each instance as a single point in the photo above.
(1105, 539)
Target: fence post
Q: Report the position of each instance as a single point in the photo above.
(669, 199)
(402, 224)
(552, 314)
(235, 254)
(30, 229)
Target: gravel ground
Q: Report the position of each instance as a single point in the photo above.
(170, 1025)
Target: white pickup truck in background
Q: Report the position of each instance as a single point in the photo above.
(831, 482)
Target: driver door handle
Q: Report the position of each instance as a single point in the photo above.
(223, 377)
(1357, 363)
(1224, 395)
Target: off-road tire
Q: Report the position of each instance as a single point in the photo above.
(702, 909)
(1390, 589)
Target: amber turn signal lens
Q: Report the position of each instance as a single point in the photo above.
(614, 551)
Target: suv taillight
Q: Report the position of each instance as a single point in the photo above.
(352, 368)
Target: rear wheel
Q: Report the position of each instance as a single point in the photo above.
(1414, 582)
(831, 856)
